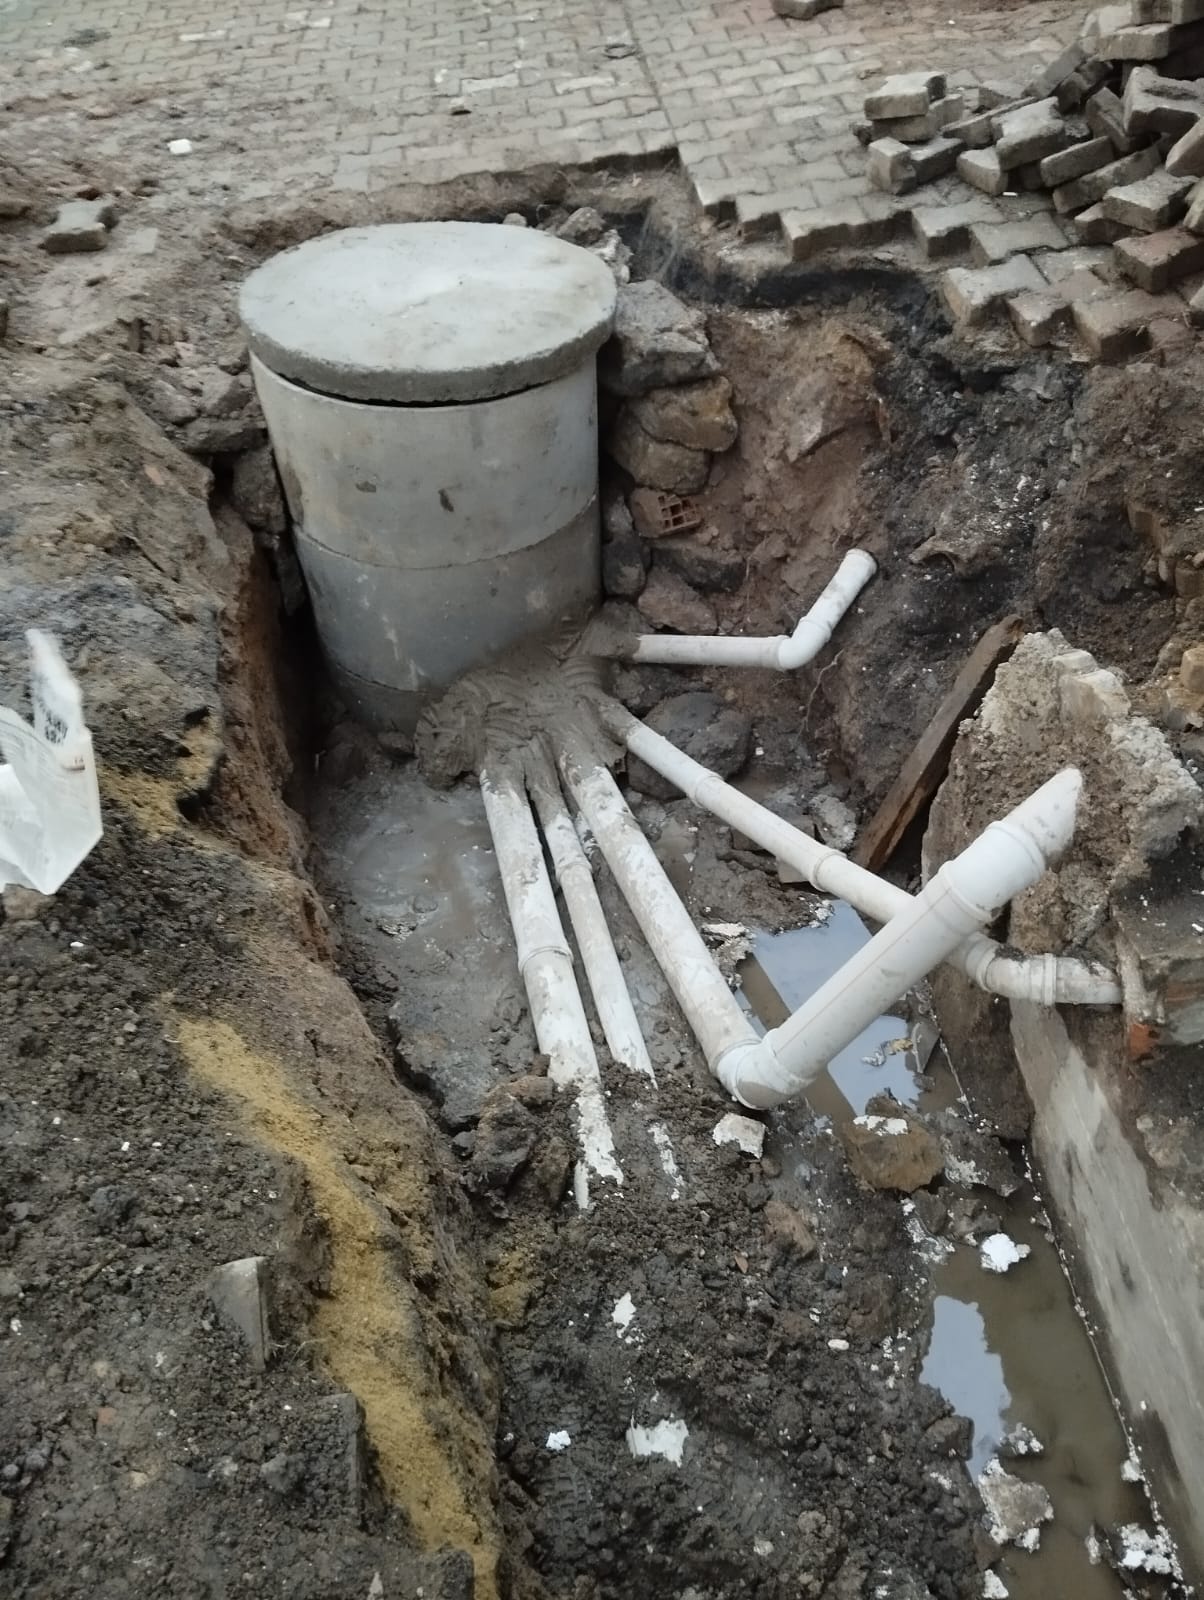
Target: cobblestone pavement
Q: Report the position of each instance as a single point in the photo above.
(363, 94)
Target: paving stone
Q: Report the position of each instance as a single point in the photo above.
(945, 230)
(1105, 113)
(981, 170)
(79, 227)
(1027, 179)
(809, 233)
(1149, 203)
(1156, 260)
(918, 130)
(890, 166)
(1074, 92)
(907, 94)
(996, 241)
(804, 10)
(1185, 159)
(1114, 326)
(1055, 265)
(1084, 284)
(1029, 133)
(974, 131)
(1064, 166)
(1194, 219)
(934, 159)
(1051, 77)
(1037, 314)
(972, 294)
(1154, 104)
(1143, 41)
(760, 215)
(1093, 186)
(1093, 227)
(1176, 11)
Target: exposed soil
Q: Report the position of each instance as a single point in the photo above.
(189, 1078)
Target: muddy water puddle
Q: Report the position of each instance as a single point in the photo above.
(1008, 1350)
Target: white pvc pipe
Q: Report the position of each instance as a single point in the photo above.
(1042, 979)
(546, 965)
(966, 893)
(576, 879)
(785, 652)
(711, 1010)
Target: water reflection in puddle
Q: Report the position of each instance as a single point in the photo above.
(785, 969)
(1006, 1350)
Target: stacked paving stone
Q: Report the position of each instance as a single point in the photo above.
(1103, 149)
(907, 131)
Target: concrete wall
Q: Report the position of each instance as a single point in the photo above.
(1137, 1239)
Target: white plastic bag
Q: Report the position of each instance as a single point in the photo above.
(49, 800)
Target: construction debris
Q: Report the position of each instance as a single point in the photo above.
(1112, 130)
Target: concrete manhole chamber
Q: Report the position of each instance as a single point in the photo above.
(430, 391)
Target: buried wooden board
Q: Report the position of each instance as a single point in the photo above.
(921, 774)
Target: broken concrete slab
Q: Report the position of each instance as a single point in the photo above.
(907, 94)
(1015, 1508)
(972, 294)
(1149, 203)
(1155, 261)
(81, 226)
(241, 1294)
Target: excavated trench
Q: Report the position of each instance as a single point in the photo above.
(734, 1374)
(838, 1360)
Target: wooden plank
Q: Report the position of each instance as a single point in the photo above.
(922, 773)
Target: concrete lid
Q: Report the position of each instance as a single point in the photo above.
(428, 312)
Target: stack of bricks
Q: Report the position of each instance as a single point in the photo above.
(906, 130)
(1118, 144)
